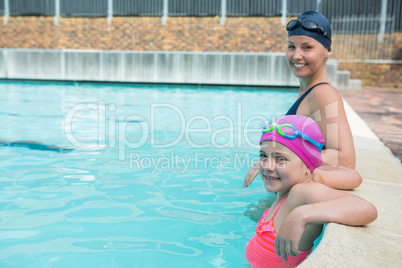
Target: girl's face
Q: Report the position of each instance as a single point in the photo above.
(306, 56)
(280, 168)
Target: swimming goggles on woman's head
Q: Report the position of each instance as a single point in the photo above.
(288, 131)
(308, 25)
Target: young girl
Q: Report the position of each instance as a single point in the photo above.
(308, 49)
(290, 151)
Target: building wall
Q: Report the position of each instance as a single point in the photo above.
(239, 34)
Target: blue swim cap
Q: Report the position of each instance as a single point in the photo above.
(322, 21)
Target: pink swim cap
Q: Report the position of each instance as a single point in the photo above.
(304, 149)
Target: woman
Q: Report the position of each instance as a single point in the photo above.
(308, 49)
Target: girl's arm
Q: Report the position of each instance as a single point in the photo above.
(317, 204)
(251, 174)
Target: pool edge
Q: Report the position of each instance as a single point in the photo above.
(379, 243)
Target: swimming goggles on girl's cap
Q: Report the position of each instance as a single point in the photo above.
(308, 25)
(288, 131)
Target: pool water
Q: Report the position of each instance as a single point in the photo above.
(152, 176)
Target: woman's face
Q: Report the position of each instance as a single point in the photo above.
(306, 56)
(280, 168)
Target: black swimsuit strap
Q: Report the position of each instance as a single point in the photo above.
(295, 106)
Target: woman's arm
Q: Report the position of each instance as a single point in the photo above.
(337, 177)
(325, 106)
(318, 205)
(339, 150)
(339, 144)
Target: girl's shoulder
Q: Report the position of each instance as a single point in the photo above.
(300, 193)
(312, 192)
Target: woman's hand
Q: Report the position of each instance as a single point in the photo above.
(251, 174)
(316, 176)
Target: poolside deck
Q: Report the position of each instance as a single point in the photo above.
(380, 243)
(381, 109)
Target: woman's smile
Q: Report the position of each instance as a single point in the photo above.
(299, 65)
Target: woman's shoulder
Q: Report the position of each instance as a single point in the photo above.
(324, 92)
(321, 97)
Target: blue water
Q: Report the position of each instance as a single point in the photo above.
(154, 178)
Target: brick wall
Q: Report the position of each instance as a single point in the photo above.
(375, 75)
(239, 34)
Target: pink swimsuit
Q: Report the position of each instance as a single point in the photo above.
(260, 250)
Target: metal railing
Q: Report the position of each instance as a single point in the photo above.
(350, 19)
(83, 8)
(138, 8)
(361, 37)
(100, 8)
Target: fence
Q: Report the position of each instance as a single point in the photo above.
(359, 37)
(101, 8)
(371, 22)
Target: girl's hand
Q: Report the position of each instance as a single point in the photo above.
(288, 237)
(251, 174)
